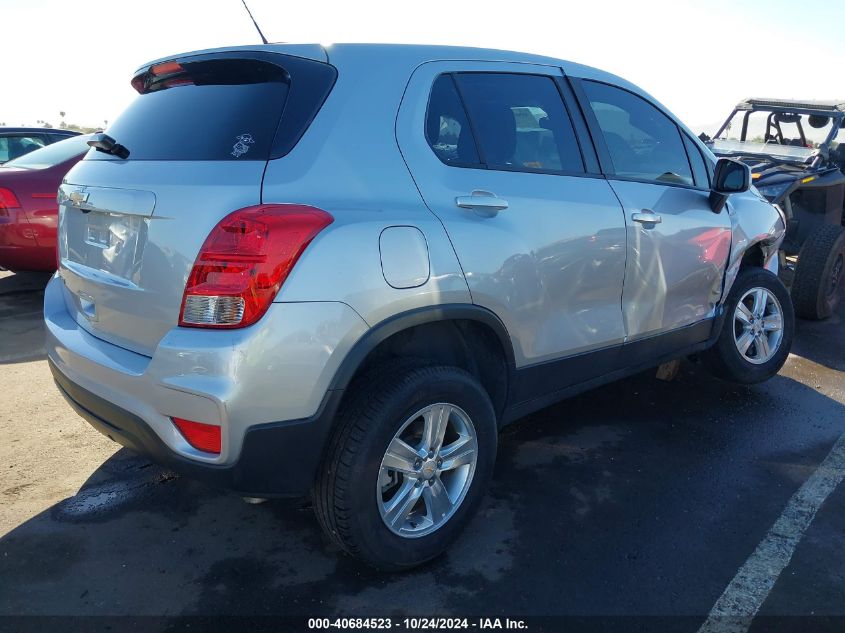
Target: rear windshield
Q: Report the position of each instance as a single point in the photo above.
(210, 109)
(54, 154)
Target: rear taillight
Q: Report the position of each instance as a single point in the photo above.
(203, 437)
(8, 199)
(244, 261)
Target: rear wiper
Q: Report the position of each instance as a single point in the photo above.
(106, 144)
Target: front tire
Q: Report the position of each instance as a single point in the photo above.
(407, 465)
(757, 332)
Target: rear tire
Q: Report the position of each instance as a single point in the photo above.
(820, 274)
(758, 307)
(357, 484)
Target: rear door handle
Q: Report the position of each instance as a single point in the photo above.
(647, 217)
(483, 202)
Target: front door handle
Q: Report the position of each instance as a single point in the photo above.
(647, 217)
(482, 202)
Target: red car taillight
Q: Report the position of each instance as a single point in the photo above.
(8, 199)
(244, 261)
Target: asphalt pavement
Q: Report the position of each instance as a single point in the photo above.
(634, 505)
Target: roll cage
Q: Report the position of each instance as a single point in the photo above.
(782, 111)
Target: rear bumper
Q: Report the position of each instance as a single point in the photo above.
(277, 459)
(266, 386)
(19, 249)
(28, 258)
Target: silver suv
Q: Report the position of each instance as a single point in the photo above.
(341, 270)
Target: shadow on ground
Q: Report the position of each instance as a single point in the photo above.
(822, 341)
(641, 497)
(21, 326)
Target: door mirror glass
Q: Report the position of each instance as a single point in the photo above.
(731, 176)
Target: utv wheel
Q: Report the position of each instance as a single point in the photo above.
(820, 275)
(757, 332)
(407, 465)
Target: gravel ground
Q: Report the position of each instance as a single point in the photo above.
(49, 452)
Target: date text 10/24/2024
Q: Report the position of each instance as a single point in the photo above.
(417, 624)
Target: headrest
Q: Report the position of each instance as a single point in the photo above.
(496, 128)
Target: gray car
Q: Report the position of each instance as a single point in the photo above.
(293, 269)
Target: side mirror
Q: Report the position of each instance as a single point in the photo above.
(731, 176)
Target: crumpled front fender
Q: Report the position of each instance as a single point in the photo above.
(755, 224)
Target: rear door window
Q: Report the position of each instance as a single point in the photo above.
(521, 122)
(12, 147)
(55, 138)
(643, 143)
(446, 128)
(53, 154)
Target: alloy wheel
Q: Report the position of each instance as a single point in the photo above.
(758, 325)
(427, 470)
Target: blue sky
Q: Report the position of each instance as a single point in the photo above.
(698, 57)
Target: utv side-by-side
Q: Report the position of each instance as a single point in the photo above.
(797, 163)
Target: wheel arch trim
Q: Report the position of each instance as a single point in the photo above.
(416, 317)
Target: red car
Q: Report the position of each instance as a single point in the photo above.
(28, 209)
